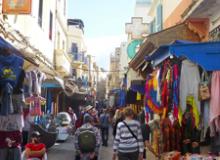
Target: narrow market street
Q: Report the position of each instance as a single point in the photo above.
(66, 151)
(147, 69)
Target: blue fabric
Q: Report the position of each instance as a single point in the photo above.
(10, 69)
(206, 54)
(49, 102)
(122, 97)
(163, 52)
(6, 106)
(138, 88)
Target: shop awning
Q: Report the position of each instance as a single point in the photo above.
(205, 54)
(163, 52)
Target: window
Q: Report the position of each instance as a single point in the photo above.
(159, 26)
(74, 48)
(51, 26)
(152, 26)
(40, 13)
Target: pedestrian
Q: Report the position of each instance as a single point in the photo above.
(91, 111)
(73, 118)
(87, 140)
(128, 142)
(118, 117)
(35, 149)
(104, 125)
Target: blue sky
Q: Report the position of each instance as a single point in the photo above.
(104, 24)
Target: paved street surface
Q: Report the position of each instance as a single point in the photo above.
(65, 150)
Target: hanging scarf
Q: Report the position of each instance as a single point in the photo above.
(191, 101)
(175, 91)
(151, 94)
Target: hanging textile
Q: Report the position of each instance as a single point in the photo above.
(10, 69)
(35, 104)
(166, 128)
(138, 96)
(192, 102)
(152, 93)
(189, 83)
(175, 91)
(215, 103)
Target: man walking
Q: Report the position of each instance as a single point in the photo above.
(87, 140)
(104, 124)
(128, 143)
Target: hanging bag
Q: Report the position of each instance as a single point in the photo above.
(204, 92)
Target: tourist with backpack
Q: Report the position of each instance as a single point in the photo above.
(128, 142)
(87, 140)
(104, 125)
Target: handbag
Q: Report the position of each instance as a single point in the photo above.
(204, 92)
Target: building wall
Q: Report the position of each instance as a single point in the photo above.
(156, 14)
(172, 13)
(28, 24)
(142, 9)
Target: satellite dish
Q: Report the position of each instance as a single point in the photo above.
(131, 50)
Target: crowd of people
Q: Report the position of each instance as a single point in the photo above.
(130, 133)
(91, 129)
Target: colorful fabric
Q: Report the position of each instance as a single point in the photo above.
(191, 101)
(151, 94)
(215, 102)
(14, 122)
(10, 69)
(35, 103)
(166, 128)
(189, 84)
(175, 91)
(138, 96)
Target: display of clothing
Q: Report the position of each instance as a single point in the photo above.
(18, 102)
(151, 93)
(189, 83)
(35, 79)
(10, 69)
(11, 106)
(6, 105)
(18, 89)
(166, 128)
(14, 122)
(215, 103)
(35, 104)
(131, 97)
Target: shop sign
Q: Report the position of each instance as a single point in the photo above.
(16, 6)
(214, 35)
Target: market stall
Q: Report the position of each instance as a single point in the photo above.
(184, 90)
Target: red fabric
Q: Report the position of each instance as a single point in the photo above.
(13, 135)
(35, 147)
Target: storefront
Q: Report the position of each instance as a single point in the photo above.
(183, 89)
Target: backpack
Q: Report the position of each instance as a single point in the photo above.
(87, 140)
